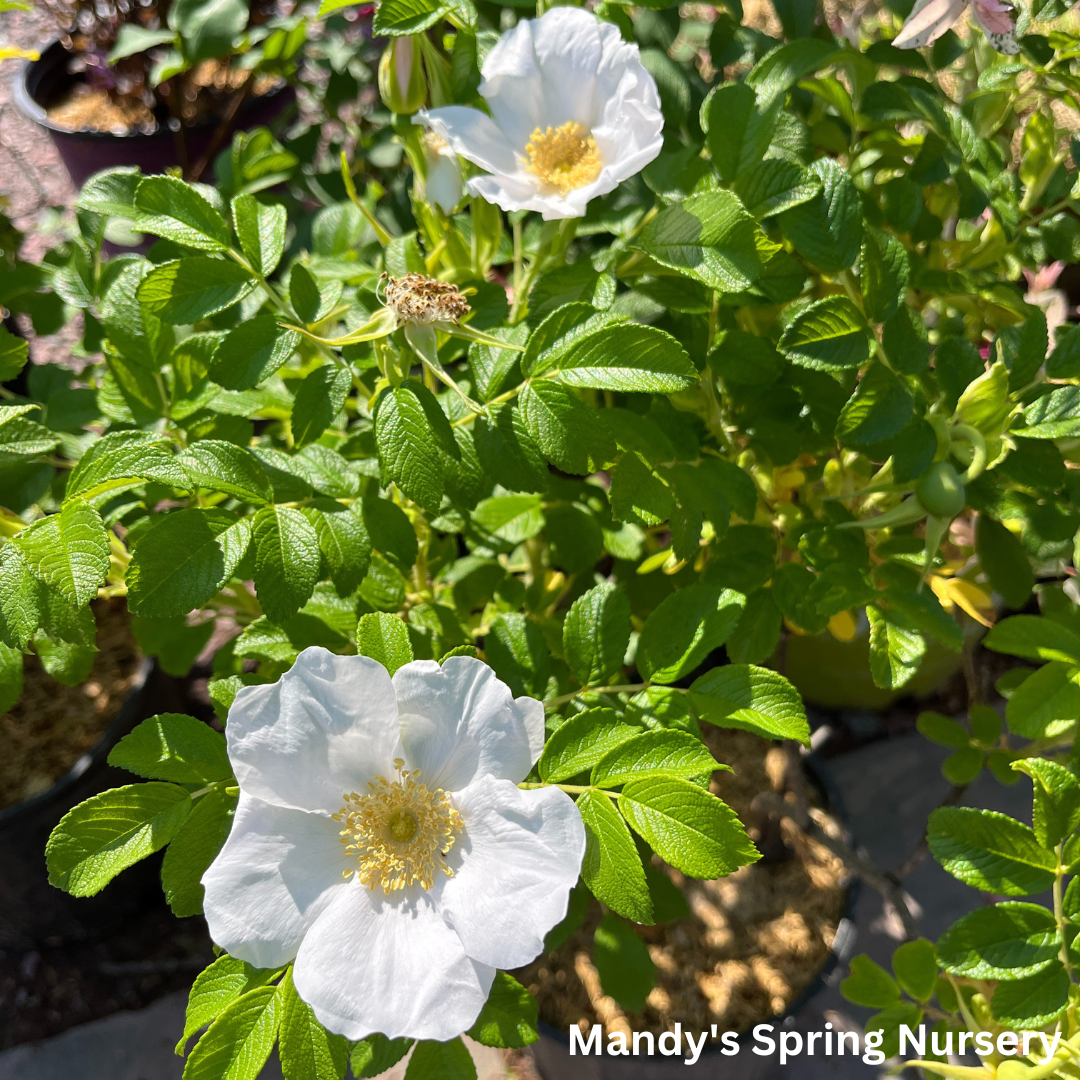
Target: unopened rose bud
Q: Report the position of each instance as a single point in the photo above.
(401, 76)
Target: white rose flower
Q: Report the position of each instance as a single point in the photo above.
(573, 114)
(443, 184)
(382, 844)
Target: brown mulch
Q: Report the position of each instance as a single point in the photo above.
(53, 725)
(752, 942)
(91, 109)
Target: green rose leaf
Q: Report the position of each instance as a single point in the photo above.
(1046, 703)
(175, 747)
(687, 827)
(1053, 416)
(1003, 558)
(709, 237)
(343, 541)
(828, 335)
(623, 963)
(261, 230)
(518, 651)
(123, 459)
(828, 229)
(441, 1061)
(252, 351)
(990, 851)
(375, 1054)
(193, 849)
(239, 1041)
(896, 648)
(885, 274)
(1008, 941)
(869, 984)
(410, 431)
(612, 867)
(183, 560)
(596, 634)
(69, 551)
(394, 18)
(1056, 811)
(509, 1016)
(224, 466)
(191, 289)
(752, 698)
(14, 352)
(385, 638)
(175, 210)
(112, 831)
(655, 753)
(286, 561)
(915, 966)
(1034, 638)
(216, 987)
(879, 409)
(307, 1050)
(684, 628)
(577, 745)
(1034, 1002)
(627, 356)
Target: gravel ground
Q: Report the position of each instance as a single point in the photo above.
(31, 175)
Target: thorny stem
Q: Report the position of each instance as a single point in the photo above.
(1059, 910)
(570, 789)
(632, 688)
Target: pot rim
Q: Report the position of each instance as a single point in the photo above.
(119, 723)
(840, 950)
(26, 104)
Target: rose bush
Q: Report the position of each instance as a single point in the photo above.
(764, 367)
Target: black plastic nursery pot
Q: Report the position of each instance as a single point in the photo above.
(34, 914)
(551, 1053)
(836, 674)
(45, 81)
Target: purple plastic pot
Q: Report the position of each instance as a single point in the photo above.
(551, 1054)
(43, 82)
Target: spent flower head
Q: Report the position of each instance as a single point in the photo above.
(422, 300)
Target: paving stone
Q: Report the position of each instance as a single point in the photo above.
(139, 1046)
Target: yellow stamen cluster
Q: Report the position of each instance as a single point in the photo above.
(415, 298)
(433, 142)
(398, 830)
(564, 158)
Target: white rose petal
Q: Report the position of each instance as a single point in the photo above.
(389, 963)
(381, 840)
(275, 874)
(573, 114)
(512, 879)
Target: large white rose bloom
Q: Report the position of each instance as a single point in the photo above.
(382, 844)
(573, 114)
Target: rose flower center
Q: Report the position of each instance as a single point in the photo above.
(398, 831)
(564, 157)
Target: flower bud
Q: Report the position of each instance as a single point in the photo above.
(401, 76)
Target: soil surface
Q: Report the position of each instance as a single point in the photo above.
(45, 992)
(53, 725)
(752, 942)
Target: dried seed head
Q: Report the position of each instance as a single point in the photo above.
(415, 298)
